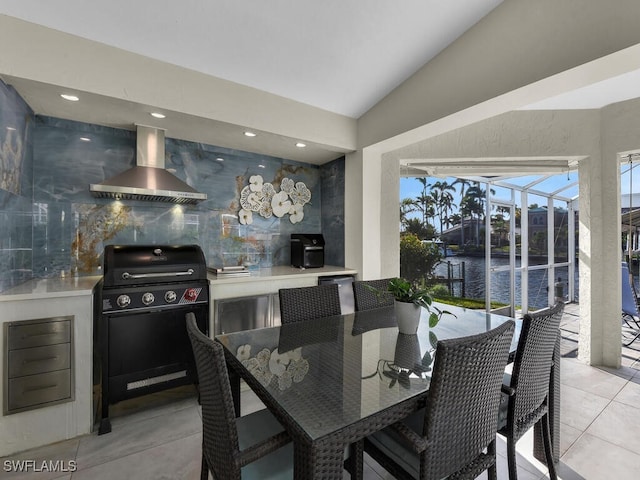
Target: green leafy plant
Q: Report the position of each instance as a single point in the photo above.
(407, 292)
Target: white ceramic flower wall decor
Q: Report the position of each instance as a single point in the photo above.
(260, 196)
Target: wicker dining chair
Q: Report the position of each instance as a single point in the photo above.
(366, 299)
(525, 397)
(454, 436)
(253, 446)
(308, 303)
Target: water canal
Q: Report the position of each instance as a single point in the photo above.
(474, 280)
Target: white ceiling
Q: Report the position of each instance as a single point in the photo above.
(343, 56)
(339, 55)
(597, 95)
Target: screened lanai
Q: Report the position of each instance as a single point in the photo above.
(528, 256)
(522, 258)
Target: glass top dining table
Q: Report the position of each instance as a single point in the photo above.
(334, 380)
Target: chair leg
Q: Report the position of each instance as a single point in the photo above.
(548, 452)
(355, 462)
(204, 470)
(492, 471)
(511, 458)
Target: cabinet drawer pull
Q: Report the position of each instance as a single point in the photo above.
(32, 335)
(40, 387)
(34, 360)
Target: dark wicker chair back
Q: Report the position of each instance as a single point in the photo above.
(529, 387)
(219, 433)
(463, 400)
(366, 299)
(220, 443)
(534, 357)
(307, 303)
(460, 420)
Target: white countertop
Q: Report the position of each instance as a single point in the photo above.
(51, 288)
(77, 286)
(283, 272)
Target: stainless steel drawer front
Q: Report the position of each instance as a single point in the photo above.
(38, 363)
(39, 334)
(39, 389)
(30, 361)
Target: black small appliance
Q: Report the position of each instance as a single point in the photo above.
(307, 250)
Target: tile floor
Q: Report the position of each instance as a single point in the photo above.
(600, 430)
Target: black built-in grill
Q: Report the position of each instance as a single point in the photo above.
(140, 335)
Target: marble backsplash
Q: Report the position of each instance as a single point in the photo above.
(16, 193)
(61, 229)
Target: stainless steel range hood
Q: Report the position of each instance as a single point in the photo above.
(148, 180)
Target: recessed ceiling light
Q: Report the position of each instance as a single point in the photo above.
(158, 115)
(85, 139)
(71, 98)
(249, 134)
(301, 145)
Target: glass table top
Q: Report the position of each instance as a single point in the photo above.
(333, 372)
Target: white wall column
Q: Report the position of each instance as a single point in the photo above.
(372, 215)
(599, 263)
(353, 208)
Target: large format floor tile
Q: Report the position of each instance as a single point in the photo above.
(578, 408)
(179, 459)
(618, 424)
(593, 458)
(136, 436)
(589, 379)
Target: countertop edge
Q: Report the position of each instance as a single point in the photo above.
(283, 272)
(45, 288)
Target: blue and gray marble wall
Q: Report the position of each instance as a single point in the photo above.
(54, 226)
(16, 177)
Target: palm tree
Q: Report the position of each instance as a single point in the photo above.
(476, 200)
(463, 183)
(424, 202)
(406, 207)
(443, 199)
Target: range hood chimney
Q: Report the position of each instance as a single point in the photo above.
(148, 180)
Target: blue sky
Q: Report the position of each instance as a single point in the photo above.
(411, 187)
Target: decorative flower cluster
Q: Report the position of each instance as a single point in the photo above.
(262, 197)
(285, 367)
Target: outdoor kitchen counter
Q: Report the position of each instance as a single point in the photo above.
(283, 273)
(270, 280)
(42, 299)
(51, 288)
(264, 284)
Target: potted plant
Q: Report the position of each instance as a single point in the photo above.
(409, 298)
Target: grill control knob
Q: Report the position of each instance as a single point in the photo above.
(170, 296)
(148, 298)
(191, 294)
(123, 301)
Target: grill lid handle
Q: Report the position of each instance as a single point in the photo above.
(133, 276)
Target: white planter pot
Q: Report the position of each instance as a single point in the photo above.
(408, 317)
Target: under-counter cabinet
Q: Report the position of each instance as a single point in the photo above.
(244, 303)
(38, 363)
